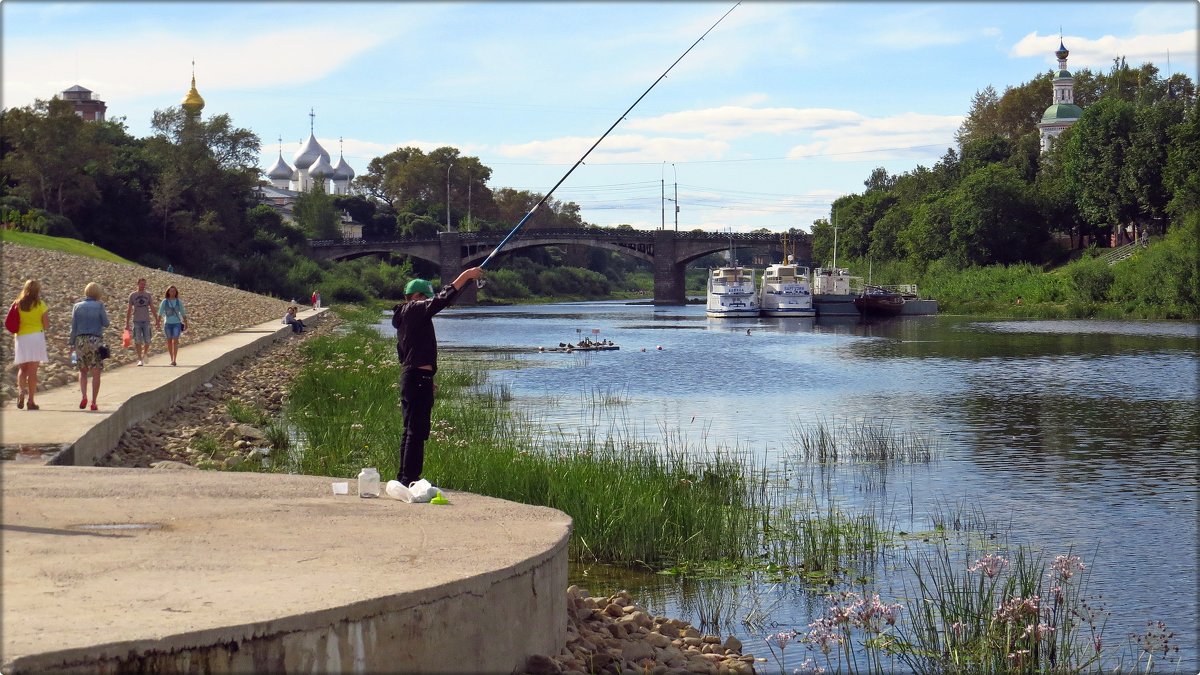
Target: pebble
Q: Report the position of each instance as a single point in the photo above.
(644, 644)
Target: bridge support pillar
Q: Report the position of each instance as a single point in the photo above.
(450, 265)
(669, 288)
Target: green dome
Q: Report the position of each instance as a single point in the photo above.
(1062, 111)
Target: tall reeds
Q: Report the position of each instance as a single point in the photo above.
(663, 504)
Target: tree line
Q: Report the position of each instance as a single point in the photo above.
(1131, 164)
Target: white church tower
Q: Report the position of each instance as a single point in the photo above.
(1062, 112)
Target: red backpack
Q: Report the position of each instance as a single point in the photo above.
(12, 322)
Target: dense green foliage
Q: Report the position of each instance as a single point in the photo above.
(1127, 168)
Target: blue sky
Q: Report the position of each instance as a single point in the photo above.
(781, 109)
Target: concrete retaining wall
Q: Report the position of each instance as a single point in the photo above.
(487, 624)
(226, 350)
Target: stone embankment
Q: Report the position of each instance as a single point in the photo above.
(212, 309)
(614, 635)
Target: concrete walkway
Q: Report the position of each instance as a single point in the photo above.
(184, 571)
(61, 433)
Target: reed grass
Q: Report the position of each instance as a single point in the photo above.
(830, 441)
(666, 504)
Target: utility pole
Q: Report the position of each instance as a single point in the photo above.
(662, 196)
(676, 200)
(448, 194)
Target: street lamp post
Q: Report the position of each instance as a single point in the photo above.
(448, 195)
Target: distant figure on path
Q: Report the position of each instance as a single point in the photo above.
(29, 342)
(141, 304)
(416, 346)
(170, 268)
(88, 321)
(292, 320)
(173, 318)
(316, 300)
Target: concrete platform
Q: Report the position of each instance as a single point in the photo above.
(61, 433)
(185, 571)
(123, 570)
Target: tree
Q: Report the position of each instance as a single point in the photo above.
(52, 157)
(993, 218)
(1149, 144)
(982, 118)
(1095, 158)
(315, 214)
(1182, 173)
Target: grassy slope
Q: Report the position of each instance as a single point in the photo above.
(72, 246)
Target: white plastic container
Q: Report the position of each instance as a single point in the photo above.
(368, 482)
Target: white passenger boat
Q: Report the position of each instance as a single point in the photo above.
(731, 292)
(785, 291)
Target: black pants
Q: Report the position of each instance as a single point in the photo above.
(416, 400)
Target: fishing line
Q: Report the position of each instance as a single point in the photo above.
(614, 126)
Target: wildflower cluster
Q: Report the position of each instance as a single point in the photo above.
(1155, 641)
(990, 565)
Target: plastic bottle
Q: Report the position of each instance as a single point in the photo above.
(368, 482)
(74, 358)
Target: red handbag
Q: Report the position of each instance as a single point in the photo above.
(12, 322)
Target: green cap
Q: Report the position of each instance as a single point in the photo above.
(419, 286)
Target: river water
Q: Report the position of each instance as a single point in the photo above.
(1078, 436)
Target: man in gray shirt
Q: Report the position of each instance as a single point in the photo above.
(141, 304)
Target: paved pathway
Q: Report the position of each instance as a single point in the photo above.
(62, 433)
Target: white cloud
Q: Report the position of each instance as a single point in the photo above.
(158, 62)
(1098, 54)
(899, 137)
(627, 148)
(729, 122)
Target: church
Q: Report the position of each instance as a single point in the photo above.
(1062, 112)
(312, 168)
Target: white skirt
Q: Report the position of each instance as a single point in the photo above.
(30, 347)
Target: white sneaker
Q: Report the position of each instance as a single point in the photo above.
(139, 362)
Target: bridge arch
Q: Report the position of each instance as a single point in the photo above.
(667, 251)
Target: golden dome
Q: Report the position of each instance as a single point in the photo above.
(193, 102)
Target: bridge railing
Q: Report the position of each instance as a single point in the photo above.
(560, 233)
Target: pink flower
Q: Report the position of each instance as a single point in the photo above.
(781, 639)
(1066, 566)
(990, 565)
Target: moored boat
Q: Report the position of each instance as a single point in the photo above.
(785, 291)
(834, 291)
(877, 301)
(731, 293)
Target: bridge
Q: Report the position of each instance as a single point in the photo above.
(667, 251)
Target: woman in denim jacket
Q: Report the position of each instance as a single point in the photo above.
(88, 321)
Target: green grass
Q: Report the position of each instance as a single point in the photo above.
(661, 506)
(72, 246)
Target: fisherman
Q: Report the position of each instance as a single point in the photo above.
(416, 346)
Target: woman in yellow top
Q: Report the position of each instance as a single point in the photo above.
(29, 350)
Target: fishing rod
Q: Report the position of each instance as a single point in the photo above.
(545, 197)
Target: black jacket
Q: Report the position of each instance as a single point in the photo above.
(416, 342)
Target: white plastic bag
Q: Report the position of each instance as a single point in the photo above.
(396, 490)
(422, 491)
